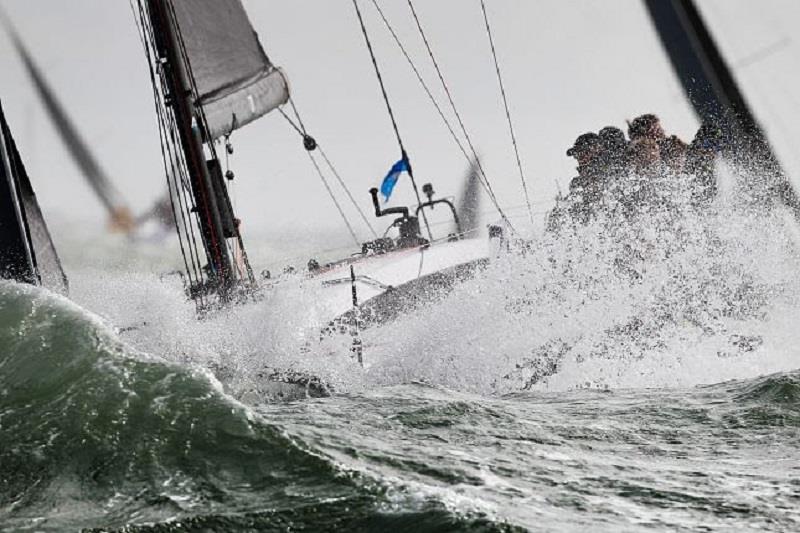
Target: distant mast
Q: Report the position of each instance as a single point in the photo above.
(120, 217)
(711, 87)
(211, 77)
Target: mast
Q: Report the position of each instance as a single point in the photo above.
(189, 124)
(712, 89)
(120, 217)
(210, 77)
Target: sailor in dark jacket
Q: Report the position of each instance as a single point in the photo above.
(583, 188)
(700, 162)
(586, 189)
(613, 152)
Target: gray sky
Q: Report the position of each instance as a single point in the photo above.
(569, 66)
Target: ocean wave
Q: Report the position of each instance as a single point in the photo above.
(90, 425)
(778, 389)
(97, 434)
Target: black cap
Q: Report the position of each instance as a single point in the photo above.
(584, 142)
(612, 136)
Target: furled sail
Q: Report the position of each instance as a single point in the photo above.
(27, 253)
(236, 83)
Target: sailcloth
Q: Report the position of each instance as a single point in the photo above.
(27, 253)
(760, 41)
(713, 90)
(236, 82)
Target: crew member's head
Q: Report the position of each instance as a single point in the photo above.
(673, 152)
(612, 138)
(646, 127)
(709, 139)
(585, 148)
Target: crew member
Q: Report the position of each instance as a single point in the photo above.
(585, 190)
(700, 162)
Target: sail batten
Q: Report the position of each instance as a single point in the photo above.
(235, 81)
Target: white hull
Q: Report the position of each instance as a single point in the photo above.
(399, 273)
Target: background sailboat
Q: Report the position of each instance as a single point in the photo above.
(27, 253)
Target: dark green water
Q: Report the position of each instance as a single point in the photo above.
(96, 436)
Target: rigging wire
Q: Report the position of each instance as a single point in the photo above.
(403, 152)
(300, 129)
(508, 113)
(335, 201)
(346, 190)
(166, 130)
(420, 79)
(446, 88)
(321, 175)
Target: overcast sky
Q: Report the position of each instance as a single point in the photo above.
(569, 67)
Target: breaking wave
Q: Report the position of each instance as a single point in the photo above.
(98, 435)
(95, 433)
(676, 296)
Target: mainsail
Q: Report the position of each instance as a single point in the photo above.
(210, 76)
(236, 83)
(27, 253)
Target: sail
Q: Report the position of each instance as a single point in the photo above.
(470, 201)
(759, 39)
(102, 186)
(28, 254)
(698, 64)
(236, 83)
(16, 260)
(712, 88)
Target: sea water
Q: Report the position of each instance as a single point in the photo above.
(613, 377)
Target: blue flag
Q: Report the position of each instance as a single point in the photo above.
(391, 178)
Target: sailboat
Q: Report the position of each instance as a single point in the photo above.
(27, 253)
(211, 77)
